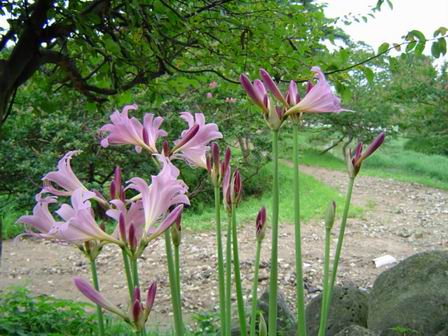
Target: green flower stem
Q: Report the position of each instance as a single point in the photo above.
(177, 268)
(339, 246)
(300, 297)
(221, 281)
(326, 280)
(253, 316)
(96, 285)
(127, 270)
(272, 325)
(228, 275)
(134, 269)
(175, 300)
(236, 270)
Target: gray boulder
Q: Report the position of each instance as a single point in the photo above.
(355, 330)
(348, 307)
(286, 324)
(413, 295)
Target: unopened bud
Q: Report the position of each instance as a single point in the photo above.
(166, 148)
(150, 297)
(122, 227)
(330, 215)
(262, 328)
(261, 224)
(237, 188)
(132, 237)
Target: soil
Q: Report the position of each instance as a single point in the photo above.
(400, 219)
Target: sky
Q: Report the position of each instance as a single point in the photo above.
(390, 25)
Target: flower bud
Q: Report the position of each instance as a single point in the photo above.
(237, 188)
(166, 148)
(122, 227)
(261, 224)
(176, 231)
(269, 82)
(330, 215)
(150, 297)
(262, 328)
(132, 238)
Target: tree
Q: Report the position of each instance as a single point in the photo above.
(104, 47)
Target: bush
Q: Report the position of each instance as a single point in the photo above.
(24, 314)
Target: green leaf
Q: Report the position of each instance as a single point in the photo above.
(411, 46)
(442, 45)
(418, 34)
(383, 48)
(440, 31)
(391, 6)
(435, 49)
(370, 75)
(419, 48)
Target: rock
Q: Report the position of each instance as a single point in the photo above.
(413, 294)
(286, 324)
(348, 307)
(356, 330)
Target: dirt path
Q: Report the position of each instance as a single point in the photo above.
(400, 219)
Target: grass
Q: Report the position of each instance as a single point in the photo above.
(393, 161)
(315, 197)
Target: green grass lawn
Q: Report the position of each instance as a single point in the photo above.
(391, 160)
(315, 197)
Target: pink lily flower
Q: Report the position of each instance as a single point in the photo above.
(164, 192)
(64, 178)
(320, 98)
(125, 130)
(193, 145)
(42, 220)
(80, 224)
(96, 297)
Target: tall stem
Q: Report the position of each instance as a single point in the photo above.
(229, 275)
(339, 246)
(96, 285)
(272, 325)
(253, 316)
(326, 284)
(221, 282)
(175, 300)
(177, 269)
(127, 270)
(134, 269)
(300, 297)
(236, 271)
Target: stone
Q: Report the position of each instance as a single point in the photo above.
(286, 324)
(413, 295)
(348, 307)
(356, 330)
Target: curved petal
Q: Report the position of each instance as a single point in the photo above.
(319, 99)
(63, 178)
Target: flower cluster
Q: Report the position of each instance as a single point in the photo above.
(318, 98)
(142, 211)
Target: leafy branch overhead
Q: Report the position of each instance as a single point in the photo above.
(101, 48)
